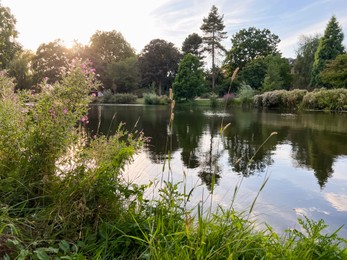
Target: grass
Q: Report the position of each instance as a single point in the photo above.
(63, 196)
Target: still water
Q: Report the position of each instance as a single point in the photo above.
(305, 162)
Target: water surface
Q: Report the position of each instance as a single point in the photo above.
(306, 161)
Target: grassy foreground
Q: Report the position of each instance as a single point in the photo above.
(63, 196)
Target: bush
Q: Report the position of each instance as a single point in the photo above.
(154, 99)
(293, 98)
(274, 99)
(323, 99)
(214, 102)
(245, 94)
(120, 98)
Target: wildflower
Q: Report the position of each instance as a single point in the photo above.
(65, 111)
(85, 119)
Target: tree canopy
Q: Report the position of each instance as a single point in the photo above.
(8, 34)
(189, 80)
(158, 63)
(50, 61)
(335, 72)
(330, 45)
(304, 61)
(213, 29)
(193, 44)
(249, 44)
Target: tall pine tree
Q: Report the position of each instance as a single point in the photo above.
(330, 45)
(212, 28)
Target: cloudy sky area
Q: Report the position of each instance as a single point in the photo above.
(42, 21)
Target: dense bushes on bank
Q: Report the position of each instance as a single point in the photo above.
(119, 98)
(320, 99)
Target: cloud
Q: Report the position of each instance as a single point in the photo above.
(338, 201)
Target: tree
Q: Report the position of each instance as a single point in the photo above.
(330, 45)
(50, 61)
(125, 74)
(8, 34)
(189, 80)
(106, 49)
(335, 72)
(253, 73)
(249, 44)
(20, 69)
(193, 44)
(158, 63)
(304, 61)
(277, 73)
(212, 28)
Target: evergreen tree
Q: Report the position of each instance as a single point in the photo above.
(189, 79)
(213, 27)
(193, 44)
(330, 45)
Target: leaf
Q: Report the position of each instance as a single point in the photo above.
(64, 246)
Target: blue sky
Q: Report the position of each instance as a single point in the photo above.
(42, 21)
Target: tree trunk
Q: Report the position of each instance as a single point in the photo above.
(213, 66)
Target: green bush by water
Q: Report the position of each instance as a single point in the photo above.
(119, 98)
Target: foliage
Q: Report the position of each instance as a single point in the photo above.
(125, 74)
(277, 73)
(193, 44)
(50, 62)
(20, 69)
(214, 102)
(8, 34)
(121, 98)
(323, 99)
(159, 63)
(245, 94)
(212, 28)
(106, 49)
(304, 61)
(189, 79)
(154, 99)
(320, 99)
(330, 45)
(335, 72)
(253, 73)
(249, 44)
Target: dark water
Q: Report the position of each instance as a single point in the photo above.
(306, 161)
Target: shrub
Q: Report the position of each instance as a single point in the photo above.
(274, 99)
(246, 94)
(214, 102)
(293, 98)
(258, 100)
(323, 99)
(120, 98)
(154, 99)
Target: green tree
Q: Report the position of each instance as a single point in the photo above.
(20, 69)
(212, 28)
(253, 73)
(193, 44)
(277, 73)
(304, 61)
(106, 49)
(126, 75)
(50, 61)
(189, 80)
(335, 72)
(249, 44)
(330, 45)
(158, 63)
(8, 34)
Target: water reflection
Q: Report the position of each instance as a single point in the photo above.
(316, 139)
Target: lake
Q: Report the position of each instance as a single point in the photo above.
(305, 162)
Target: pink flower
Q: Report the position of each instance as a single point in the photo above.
(65, 111)
(85, 119)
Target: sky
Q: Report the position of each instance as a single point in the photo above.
(140, 21)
